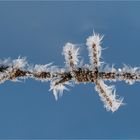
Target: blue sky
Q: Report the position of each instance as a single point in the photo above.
(39, 30)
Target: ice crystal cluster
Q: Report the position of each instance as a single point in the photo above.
(74, 73)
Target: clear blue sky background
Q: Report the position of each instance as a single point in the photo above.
(39, 30)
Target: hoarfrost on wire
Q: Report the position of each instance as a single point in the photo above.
(74, 72)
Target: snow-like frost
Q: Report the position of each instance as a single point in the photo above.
(16, 63)
(71, 53)
(129, 69)
(107, 68)
(19, 63)
(110, 92)
(58, 88)
(42, 68)
(91, 40)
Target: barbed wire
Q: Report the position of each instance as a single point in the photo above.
(74, 72)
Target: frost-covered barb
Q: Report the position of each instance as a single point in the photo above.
(94, 48)
(74, 72)
(71, 54)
